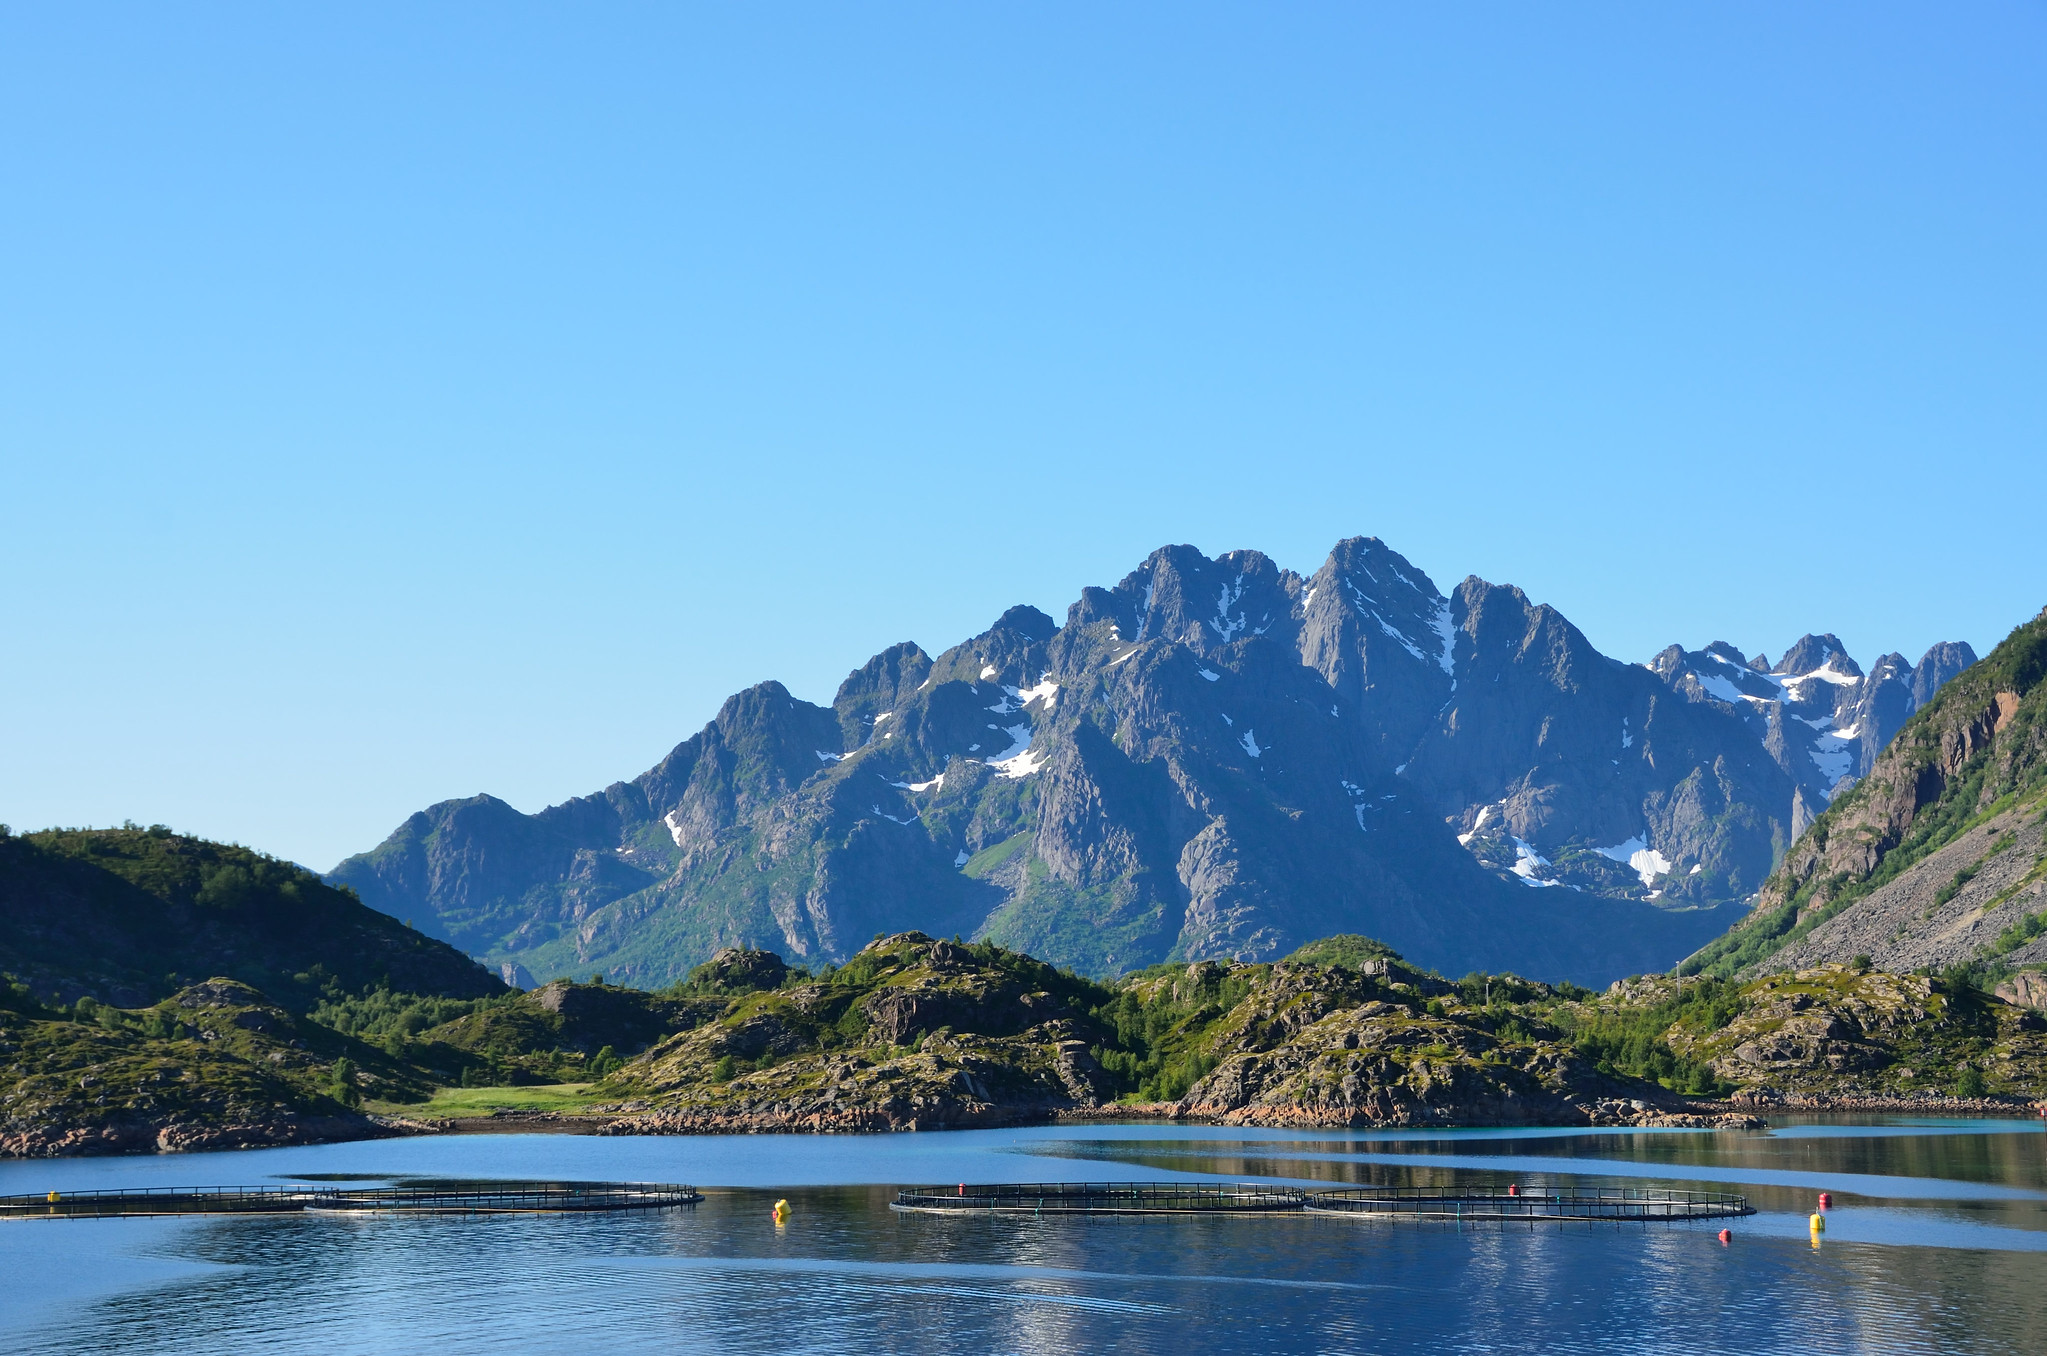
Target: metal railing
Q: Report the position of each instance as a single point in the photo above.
(1101, 1198)
(464, 1199)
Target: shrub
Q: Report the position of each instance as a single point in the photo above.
(342, 1087)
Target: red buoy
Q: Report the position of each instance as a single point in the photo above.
(1826, 1200)
(963, 1188)
(1727, 1235)
(1513, 1189)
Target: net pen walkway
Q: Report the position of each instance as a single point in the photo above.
(1100, 1198)
(1481, 1204)
(439, 1200)
(1462, 1204)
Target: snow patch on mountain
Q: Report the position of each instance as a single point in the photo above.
(1464, 839)
(1023, 765)
(1826, 673)
(1222, 624)
(1647, 862)
(1527, 861)
(1447, 631)
(1046, 691)
(1834, 754)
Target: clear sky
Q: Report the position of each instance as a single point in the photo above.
(400, 402)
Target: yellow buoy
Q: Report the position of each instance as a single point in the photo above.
(1818, 1223)
(781, 1213)
(54, 1198)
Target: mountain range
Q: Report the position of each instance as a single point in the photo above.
(1215, 758)
(1936, 860)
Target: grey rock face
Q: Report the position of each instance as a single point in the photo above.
(1822, 720)
(1212, 758)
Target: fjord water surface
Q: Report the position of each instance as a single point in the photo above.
(1938, 1242)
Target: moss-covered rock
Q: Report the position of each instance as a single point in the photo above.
(1846, 1031)
(911, 1033)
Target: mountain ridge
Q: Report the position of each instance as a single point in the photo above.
(1935, 860)
(1212, 757)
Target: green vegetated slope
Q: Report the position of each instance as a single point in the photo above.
(1936, 860)
(214, 1065)
(127, 916)
(160, 991)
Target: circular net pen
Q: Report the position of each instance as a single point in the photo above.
(508, 1198)
(1100, 1198)
(1477, 1205)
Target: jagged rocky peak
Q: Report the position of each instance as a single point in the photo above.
(1937, 666)
(1384, 638)
(978, 702)
(876, 687)
(1817, 713)
(1011, 653)
(762, 744)
(1818, 656)
(1181, 596)
(1378, 585)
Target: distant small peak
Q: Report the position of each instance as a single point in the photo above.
(1027, 621)
(1812, 653)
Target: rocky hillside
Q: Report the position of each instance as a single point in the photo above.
(215, 1065)
(919, 1034)
(1851, 1032)
(1936, 859)
(1216, 758)
(911, 1033)
(126, 916)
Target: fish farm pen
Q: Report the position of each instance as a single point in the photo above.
(467, 1199)
(1480, 1204)
(1101, 1198)
(1437, 1204)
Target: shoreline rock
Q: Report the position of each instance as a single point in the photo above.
(176, 1136)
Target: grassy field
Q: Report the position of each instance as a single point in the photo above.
(483, 1101)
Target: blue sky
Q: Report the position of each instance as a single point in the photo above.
(403, 402)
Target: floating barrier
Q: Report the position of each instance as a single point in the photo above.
(461, 1199)
(1472, 1205)
(1100, 1198)
(1466, 1205)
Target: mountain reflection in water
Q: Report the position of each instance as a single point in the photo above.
(1941, 1253)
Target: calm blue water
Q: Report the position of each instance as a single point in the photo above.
(1937, 1243)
